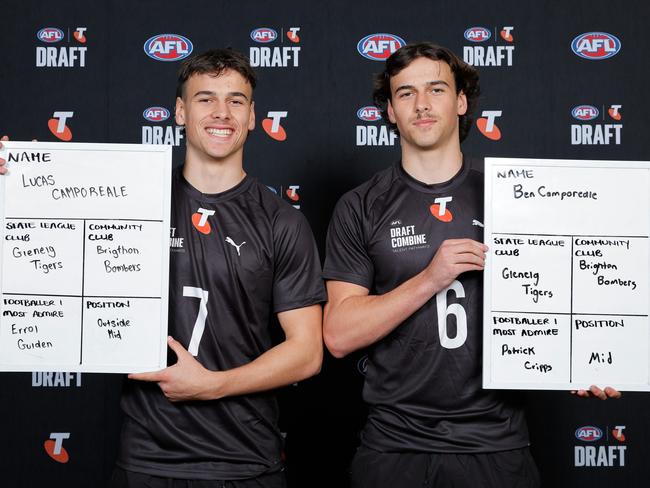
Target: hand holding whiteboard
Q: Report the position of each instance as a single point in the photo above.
(566, 279)
(84, 257)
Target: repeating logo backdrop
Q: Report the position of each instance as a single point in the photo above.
(558, 81)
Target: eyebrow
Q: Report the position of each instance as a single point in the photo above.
(428, 84)
(212, 94)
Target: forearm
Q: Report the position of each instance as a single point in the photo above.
(284, 364)
(354, 319)
(298, 357)
(358, 321)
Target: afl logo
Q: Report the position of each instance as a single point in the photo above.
(584, 112)
(378, 47)
(369, 114)
(264, 35)
(156, 114)
(168, 47)
(588, 433)
(50, 35)
(477, 34)
(596, 45)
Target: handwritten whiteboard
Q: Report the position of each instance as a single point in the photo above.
(566, 279)
(84, 257)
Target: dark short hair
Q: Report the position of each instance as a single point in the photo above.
(215, 62)
(465, 77)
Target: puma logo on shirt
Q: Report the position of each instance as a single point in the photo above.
(232, 243)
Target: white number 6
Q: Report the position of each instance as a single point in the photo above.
(454, 309)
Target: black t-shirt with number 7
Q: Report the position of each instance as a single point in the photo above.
(237, 258)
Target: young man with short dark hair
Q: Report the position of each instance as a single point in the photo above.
(404, 261)
(210, 419)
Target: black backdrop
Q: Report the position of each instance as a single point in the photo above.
(532, 81)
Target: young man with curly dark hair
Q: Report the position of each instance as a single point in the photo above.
(403, 270)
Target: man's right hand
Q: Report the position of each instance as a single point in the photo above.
(454, 257)
(3, 170)
(355, 319)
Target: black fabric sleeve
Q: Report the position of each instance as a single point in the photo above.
(346, 256)
(297, 279)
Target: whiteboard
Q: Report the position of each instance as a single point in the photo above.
(566, 296)
(84, 257)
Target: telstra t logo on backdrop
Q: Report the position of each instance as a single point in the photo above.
(489, 55)
(275, 56)
(168, 47)
(58, 126)
(272, 125)
(80, 35)
(292, 193)
(54, 447)
(617, 433)
(486, 124)
(378, 47)
(288, 193)
(64, 56)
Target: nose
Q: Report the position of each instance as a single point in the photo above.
(221, 110)
(422, 103)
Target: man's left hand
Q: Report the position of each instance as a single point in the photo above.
(596, 392)
(185, 380)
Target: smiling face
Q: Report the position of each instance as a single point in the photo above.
(217, 112)
(425, 106)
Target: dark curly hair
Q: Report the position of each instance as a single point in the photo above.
(465, 76)
(214, 62)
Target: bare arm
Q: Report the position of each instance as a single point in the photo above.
(355, 319)
(297, 357)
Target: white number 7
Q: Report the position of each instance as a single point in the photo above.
(199, 325)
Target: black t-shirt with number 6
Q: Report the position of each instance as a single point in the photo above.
(423, 380)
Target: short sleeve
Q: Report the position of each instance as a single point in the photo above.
(297, 279)
(346, 256)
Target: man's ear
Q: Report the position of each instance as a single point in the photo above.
(180, 111)
(391, 113)
(462, 103)
(251, 117)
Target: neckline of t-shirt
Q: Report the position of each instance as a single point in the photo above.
(214, 197)
(445, 186)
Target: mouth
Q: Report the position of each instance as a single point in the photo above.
(220, 132)
(425, 122)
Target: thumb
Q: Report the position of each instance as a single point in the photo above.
(177, 347)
